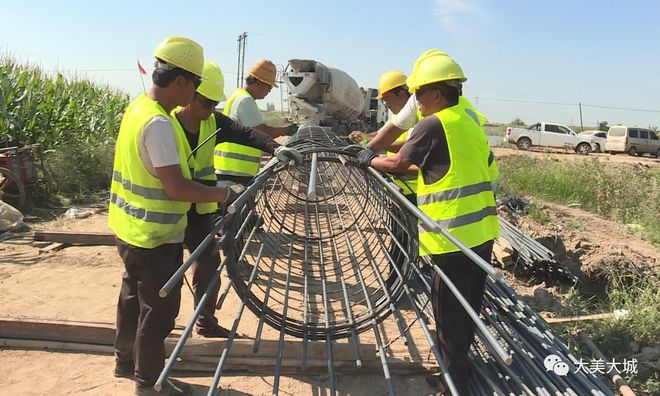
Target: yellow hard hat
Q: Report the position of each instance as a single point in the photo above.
(264, 71)
(181, 52)
(434, 66)
(213, 82)
(390, 80)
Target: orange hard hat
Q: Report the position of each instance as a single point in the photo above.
(264, 71)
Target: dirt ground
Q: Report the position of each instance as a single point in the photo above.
(81, 284)
(568, 155)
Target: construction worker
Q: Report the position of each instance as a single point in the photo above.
(450, 150)
(393, 91)
(389, 135)
(197, 122)
(240, 162)
(150, 194)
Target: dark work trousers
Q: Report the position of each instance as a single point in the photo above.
(250, 204)
(144, 319)
(454, 328)
(199, 226)
(402, 236)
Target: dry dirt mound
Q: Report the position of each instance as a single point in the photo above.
(588, 245)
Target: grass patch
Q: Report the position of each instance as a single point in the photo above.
(627, 194)
(637, 294)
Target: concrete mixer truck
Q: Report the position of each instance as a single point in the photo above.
(326, 96)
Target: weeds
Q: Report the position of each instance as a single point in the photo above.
(623, 193)
(638, 296)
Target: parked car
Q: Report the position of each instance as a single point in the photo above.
(598, 139)
(632, 140)
(545, 134)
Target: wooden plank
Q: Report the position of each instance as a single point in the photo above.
(57, 331)
(581, 318)
(78, 237)
(56, 346)
(53, 247)
(268, 348)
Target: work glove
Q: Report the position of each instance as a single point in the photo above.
(364, 157)
(291, 129)
(359, 137)
(286, 154)
(234, 190)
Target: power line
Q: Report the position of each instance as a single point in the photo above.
(565, 104)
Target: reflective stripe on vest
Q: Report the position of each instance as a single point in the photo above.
(201, 163)
(462, 201)
(140, 212)
(232, 159)
(143, 214)
(407, 183)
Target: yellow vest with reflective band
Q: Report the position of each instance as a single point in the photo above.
(479, 117)
(407, 183)
(200, 164)
(140, 212)
(232, 159)
(462, 201)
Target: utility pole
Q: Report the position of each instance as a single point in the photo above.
(242, 40)
(581, 125)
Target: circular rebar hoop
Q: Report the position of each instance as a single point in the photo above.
(350, 225)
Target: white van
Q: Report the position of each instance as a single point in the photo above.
(632, 140)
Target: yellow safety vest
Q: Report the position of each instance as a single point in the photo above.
(479, 117)
(234, 159)
(407, 183)
(200, 164)
(140, 212)
(462, 201)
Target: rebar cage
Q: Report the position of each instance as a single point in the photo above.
(324, 245)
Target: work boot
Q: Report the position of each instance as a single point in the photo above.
(432, 380)
(123, 370)
(171, 387)
(212, 331)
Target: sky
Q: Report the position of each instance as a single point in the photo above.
(533, 60)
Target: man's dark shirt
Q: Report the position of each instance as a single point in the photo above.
(427, 148)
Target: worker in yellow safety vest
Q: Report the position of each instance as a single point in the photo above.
(151, 192)
(202, 126)
(450, 150)
(392, 89)
(405, 120)
(239, 162)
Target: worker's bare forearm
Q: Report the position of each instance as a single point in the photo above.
(394, 164)
(271, 131)
(178, 188)
(385, 137)
(191, 191)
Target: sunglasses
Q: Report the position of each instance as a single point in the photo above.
(206, 102)
(195, 80)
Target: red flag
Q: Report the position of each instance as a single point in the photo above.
(141, 69)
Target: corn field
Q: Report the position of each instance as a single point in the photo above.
(76, 120)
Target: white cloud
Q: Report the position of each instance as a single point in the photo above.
(456, 16)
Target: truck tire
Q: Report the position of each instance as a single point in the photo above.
(524, 143)
(583, 148)
(632, 151)
(657, 153)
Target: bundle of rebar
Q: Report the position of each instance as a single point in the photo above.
(326, 251)
(532, 259)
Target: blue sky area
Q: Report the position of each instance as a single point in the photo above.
(602, 53)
